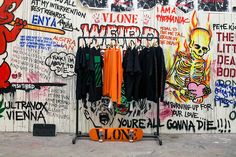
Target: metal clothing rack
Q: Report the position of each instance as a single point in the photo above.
(155, 135)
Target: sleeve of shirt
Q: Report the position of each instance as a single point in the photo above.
(163, 74)
(77, 58)
(120, 76)
(91, 64)
(105, 73)
(150, 61)
(137, 67)
(129, 61)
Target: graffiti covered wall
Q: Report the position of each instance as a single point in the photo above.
(38, 54)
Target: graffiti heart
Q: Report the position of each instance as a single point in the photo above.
(197, 90)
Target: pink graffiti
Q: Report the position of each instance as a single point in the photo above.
(146, 19)
(214, 66)
(197, 90)
(165, 112)
(96, 18)
(34, 78)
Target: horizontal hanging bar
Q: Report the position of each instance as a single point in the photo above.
(120, 37)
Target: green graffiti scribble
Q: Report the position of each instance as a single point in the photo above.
(2, 109)
(122, 108)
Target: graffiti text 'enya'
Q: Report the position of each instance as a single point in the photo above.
(44, 21)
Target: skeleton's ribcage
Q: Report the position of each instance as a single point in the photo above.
(187, 70)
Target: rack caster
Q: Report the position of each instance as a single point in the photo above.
(131, 136)
(100, 136)
(73, 141)
(159, 140)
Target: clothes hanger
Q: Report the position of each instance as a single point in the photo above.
(111, 44)
(82, 45)
(97, 46)
(132, 44)
(93, 43)
(148, 44)
(140, 47)
(116, 44)
(155, 43)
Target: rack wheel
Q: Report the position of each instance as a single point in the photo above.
(131, 136)
(73, 141)
(160, 142)
(100, 135)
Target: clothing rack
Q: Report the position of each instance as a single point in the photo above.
(155, 135)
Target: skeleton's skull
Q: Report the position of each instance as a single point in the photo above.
(199, 44)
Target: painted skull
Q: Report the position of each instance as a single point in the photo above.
(199, 44)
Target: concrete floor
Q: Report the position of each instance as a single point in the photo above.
(174, 145)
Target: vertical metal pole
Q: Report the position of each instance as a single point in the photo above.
(77, 117)
(158, 119)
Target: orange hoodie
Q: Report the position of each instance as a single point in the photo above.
(112, 74)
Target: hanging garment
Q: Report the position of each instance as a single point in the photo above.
(113, 74)
(161, 73)
(132, 74)
(82, 73)
(156, 74)
(95, 72)
(88, 67)
(142, 89)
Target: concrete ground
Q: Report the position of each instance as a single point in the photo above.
(174, 145)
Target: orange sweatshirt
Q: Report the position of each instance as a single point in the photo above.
(112, 74)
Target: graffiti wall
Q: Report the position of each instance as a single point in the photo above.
(39, 43)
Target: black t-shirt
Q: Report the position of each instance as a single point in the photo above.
(95, 70)
(88, 67)
(144, 75)
(131, 74)
(156, 74)
(82, 73)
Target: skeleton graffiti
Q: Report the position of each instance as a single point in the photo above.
(189, 75)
